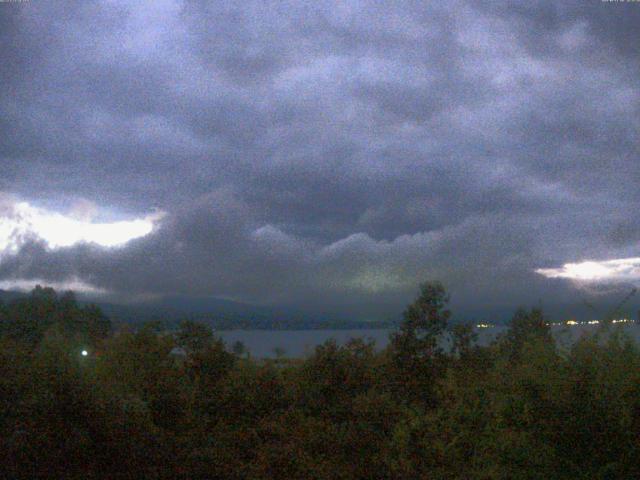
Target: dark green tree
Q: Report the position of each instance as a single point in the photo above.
(194, 336)
(526, 326)
(463, 339)
(416, 354)
(238, 348)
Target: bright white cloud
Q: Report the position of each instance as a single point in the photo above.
(73, 284)
(622, 270)
(21, 220)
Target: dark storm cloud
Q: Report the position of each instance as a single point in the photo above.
(330, 152)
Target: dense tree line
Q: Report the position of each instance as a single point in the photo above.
(521, 408)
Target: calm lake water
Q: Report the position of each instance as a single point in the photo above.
(300, 343)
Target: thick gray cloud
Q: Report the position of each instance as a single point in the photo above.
(326, 153)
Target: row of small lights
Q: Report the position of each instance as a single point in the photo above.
(595, 322)
(568, 322)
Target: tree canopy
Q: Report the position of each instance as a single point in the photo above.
(520, 408)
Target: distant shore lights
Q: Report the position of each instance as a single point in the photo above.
(568, 323)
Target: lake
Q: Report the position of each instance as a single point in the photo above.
(300, 343)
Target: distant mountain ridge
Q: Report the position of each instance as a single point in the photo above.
(218, 313)
(231, 315)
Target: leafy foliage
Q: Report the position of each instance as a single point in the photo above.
(148, 403)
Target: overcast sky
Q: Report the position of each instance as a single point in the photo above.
(328, 154)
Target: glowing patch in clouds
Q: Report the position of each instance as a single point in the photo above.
(73, 284)
(57, 230)
(610, 271)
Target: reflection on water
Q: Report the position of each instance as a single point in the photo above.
(299, 343)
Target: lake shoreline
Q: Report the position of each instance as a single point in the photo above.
(300, 343)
